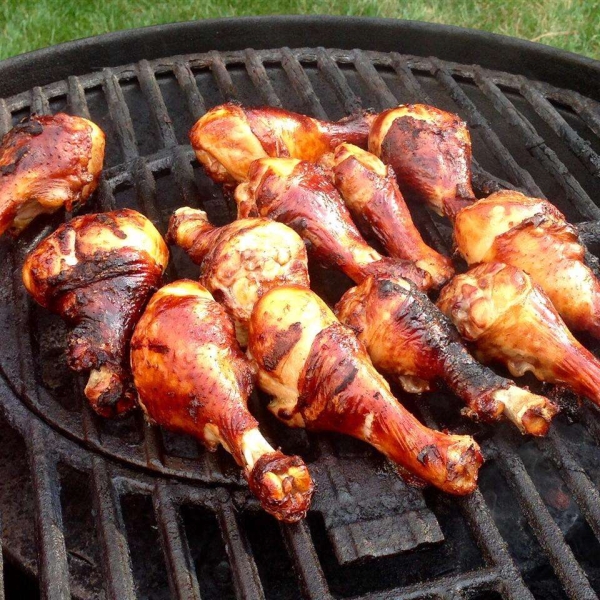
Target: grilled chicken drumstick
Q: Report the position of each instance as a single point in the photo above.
(192, 377)
(371, 193)
(229, 137)
(533, 235)
(97, 272)
(430, 151)
(511, 320)
(240, 261)
(302, 195)
(409, 339)
(321, 378)
(45, 162)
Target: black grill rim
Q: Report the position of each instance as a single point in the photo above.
(455, 44)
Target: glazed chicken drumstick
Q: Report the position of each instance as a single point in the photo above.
(47, 162)
(229, 137)
(321, 378)
(240, 261)
(371, 193)
(301, 195)
(533, 235)
(192, 377)
(430, 151)
(511, 320)
(97, 272)
(409, 339)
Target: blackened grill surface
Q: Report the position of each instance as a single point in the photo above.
(125, 510)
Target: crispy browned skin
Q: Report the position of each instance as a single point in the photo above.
(240, 261)
(47, 162)
(97, 272)
(409, 339)
(430, 152)
(533, 235)
(193, 378)
(321, 378)
(229, 137)
(301, 195)
(512, 321)
(371, 193)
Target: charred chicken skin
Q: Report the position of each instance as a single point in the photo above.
(409, 339)
(240, 261)
(533, 235)
(512, 321)
(430, 152)
(301, 195)
(229, 137)
(97, 272)
(321, 378)
(192, 378)
(371, 193)
(47, 162)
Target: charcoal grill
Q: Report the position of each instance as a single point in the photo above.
(123, 510)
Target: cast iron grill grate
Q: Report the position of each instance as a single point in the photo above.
(532, 531)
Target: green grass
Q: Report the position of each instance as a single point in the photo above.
(29, 24)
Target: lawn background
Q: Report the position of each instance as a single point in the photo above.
(29, 24)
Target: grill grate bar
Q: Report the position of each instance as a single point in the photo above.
(493, 545)
(484, 182)
(307, 567)
(585, 108)
(113, 540)
(552, 117)
(245, 574)
(152, 443)
(374, 81)
(517, 175)
(39, 102)
(145, 189)
(459, 587)
(183, 580)
(538, 147)
(545, 529)
(1, 564)
(335, 78)
(222, 77)
(120, 116)
(258, 75)
(578, 482)
(52, 553)
(156, 103)
(489, 540)
(301, 83)
(77, 100)
(104, 193)
(183, 174)
(187, 82)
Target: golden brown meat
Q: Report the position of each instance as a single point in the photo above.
(192, 378)
(45, 162)
(321, 378)
(301, 195)
(97, 272)
(409, 339)
(430, 152)
(229, 137)
(512, 321)
(371, 193)
(533, 235)
(240, 261)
